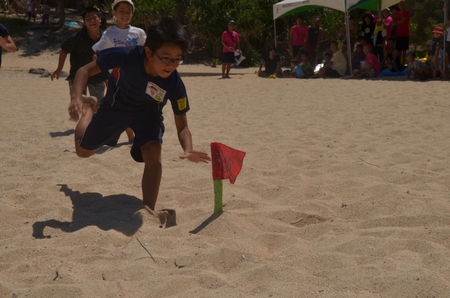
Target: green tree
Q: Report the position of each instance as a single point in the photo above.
(426, 15)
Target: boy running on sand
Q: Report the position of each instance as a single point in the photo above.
(122, 35)
(79, 47)
(129, 102)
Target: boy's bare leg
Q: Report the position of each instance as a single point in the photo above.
(151, 180)
(90, 106)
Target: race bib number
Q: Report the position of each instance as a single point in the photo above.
(155, 92)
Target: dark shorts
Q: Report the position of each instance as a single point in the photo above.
(402, 43)
(332, 73)
(295, 51)
(228, 58)
(109, 122)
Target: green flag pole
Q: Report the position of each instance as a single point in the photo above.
(218, 191)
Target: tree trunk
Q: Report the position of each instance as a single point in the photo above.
(61, 13)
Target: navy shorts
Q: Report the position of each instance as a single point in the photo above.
(402, 43)
(228, 58)
(110, 122)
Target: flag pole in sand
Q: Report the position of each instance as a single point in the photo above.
(226, 164)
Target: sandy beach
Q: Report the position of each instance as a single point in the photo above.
(344, 192)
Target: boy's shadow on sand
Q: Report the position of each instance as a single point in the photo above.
(117, 212)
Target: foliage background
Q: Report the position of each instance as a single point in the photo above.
(206, 20)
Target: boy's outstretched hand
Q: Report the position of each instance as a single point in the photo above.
(196, 156)
(77, 107)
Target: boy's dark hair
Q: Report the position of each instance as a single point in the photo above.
(167, 30)
(273, 49)
(88, 10)
(327, 55)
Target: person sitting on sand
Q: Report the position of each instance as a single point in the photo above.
(392, 57)
(326, 63)
(357, 57)
(370, 67)
(129, 103)
(306, 66)
(271, 64)
(337, 66)
(418, 69)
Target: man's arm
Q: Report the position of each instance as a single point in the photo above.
(61, 61)
(8, 43)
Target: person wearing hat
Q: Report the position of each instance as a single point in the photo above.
(401, 21)
(418, 69)
(122, 35)
(436, 53)
(231, 45)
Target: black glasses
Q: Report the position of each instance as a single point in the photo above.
(169, 61)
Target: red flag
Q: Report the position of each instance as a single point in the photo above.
(226, 162)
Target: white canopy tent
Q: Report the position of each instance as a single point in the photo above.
(290, 7)
(374, 5)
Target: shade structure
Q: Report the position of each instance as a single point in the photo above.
(290, 7)
(374, 5)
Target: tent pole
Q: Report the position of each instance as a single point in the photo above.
(349, 50)
(445, 35)
(275, 33)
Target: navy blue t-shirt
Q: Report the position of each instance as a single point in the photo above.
(131, 86)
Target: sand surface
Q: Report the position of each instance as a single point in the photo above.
(344, 192)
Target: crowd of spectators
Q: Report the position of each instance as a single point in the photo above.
(379, 47)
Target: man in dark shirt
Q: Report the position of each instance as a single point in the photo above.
(271, 64)
(79, 46)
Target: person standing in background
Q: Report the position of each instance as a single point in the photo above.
(122, 34)
(79, 46)
(31, 10)
(6, 42)
(313, 40)
(298, 36)
(401, 21)
(45, 14)
(388, 23)
(230, 43)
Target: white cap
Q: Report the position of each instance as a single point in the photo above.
(127, 1)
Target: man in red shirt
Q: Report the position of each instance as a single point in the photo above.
(231, 44)
(298, 36)
(402, 19)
